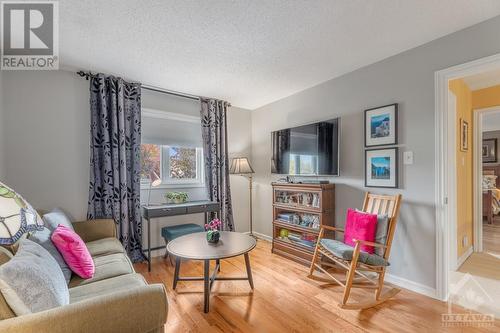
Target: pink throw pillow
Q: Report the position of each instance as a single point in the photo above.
(360, 226)
(74, 251)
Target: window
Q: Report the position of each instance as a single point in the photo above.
(303, 164)
(174, 165)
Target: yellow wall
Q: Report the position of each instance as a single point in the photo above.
(465, 214)
(486, 98)
(467, 102)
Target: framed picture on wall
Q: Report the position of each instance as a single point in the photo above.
(381, 126)
(381, 167)
(489, 153)
(464, 135)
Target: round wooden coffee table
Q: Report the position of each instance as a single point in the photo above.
(195, 247)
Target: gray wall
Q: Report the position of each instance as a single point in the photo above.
(2, 133)
(239, 139)
(47, 126)
(407, 79)
(47, 160)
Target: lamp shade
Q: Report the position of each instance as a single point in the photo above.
(155, 179)
(16, 216)
(240, 165)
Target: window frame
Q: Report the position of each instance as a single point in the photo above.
(167, 181)
(165, 168)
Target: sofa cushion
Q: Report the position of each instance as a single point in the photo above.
(5, 310)
(106, 267)
(74, 251)
(106, 287)
(42, 237)
(56, 217)
(345, 252)
(5, 255)
(104, 247)
(32, 281)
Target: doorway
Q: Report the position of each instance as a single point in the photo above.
(461, 106)
(486, 174)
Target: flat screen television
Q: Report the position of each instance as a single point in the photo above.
(308, 150)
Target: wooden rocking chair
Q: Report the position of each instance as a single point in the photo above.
(355, 262)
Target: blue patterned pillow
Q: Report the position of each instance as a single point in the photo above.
(56, 217)
(43, 238)
(17, 216)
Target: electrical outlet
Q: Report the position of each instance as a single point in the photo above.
(465, 241)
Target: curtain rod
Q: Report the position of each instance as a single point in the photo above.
(87, 75)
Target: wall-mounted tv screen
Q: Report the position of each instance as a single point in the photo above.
(309, 150)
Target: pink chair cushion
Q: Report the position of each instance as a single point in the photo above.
(360, 226)
(74, 251)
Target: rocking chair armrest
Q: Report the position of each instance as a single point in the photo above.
(327, 227)
(364, 242)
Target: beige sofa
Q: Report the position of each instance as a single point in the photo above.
(116, 299)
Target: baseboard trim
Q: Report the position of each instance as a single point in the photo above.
(464, 257)
(411, 285)
(261, 236)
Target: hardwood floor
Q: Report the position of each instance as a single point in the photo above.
(482, 264)
(285, 300)
(491, 236)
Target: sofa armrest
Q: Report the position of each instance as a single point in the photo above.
(92, 230)
(138, 310)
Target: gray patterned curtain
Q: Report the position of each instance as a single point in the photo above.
(115, 144)
(214, 133)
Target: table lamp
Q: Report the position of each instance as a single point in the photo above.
(241, 166)
(16, 216)
(154, 181)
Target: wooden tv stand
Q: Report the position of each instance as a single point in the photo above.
(298, 211)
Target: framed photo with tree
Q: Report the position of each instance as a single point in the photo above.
(381, 167)
(381, 126)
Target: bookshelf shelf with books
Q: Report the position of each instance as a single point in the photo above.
(298, 212)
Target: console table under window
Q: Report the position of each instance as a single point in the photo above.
(191, 207)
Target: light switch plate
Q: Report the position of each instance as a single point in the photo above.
(408, 157)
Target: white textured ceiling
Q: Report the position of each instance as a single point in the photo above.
(483, 80)
(251, 52)
(491, 121)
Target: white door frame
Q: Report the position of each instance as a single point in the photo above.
(478, 176)
(445, 134)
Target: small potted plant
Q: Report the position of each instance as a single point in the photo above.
(212, 229)
(176, 197)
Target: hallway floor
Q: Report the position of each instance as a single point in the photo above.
(491, 236)
(483, 293)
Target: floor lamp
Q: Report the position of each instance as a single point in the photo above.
(241, 166)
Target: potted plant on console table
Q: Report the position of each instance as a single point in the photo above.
(176, 197)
